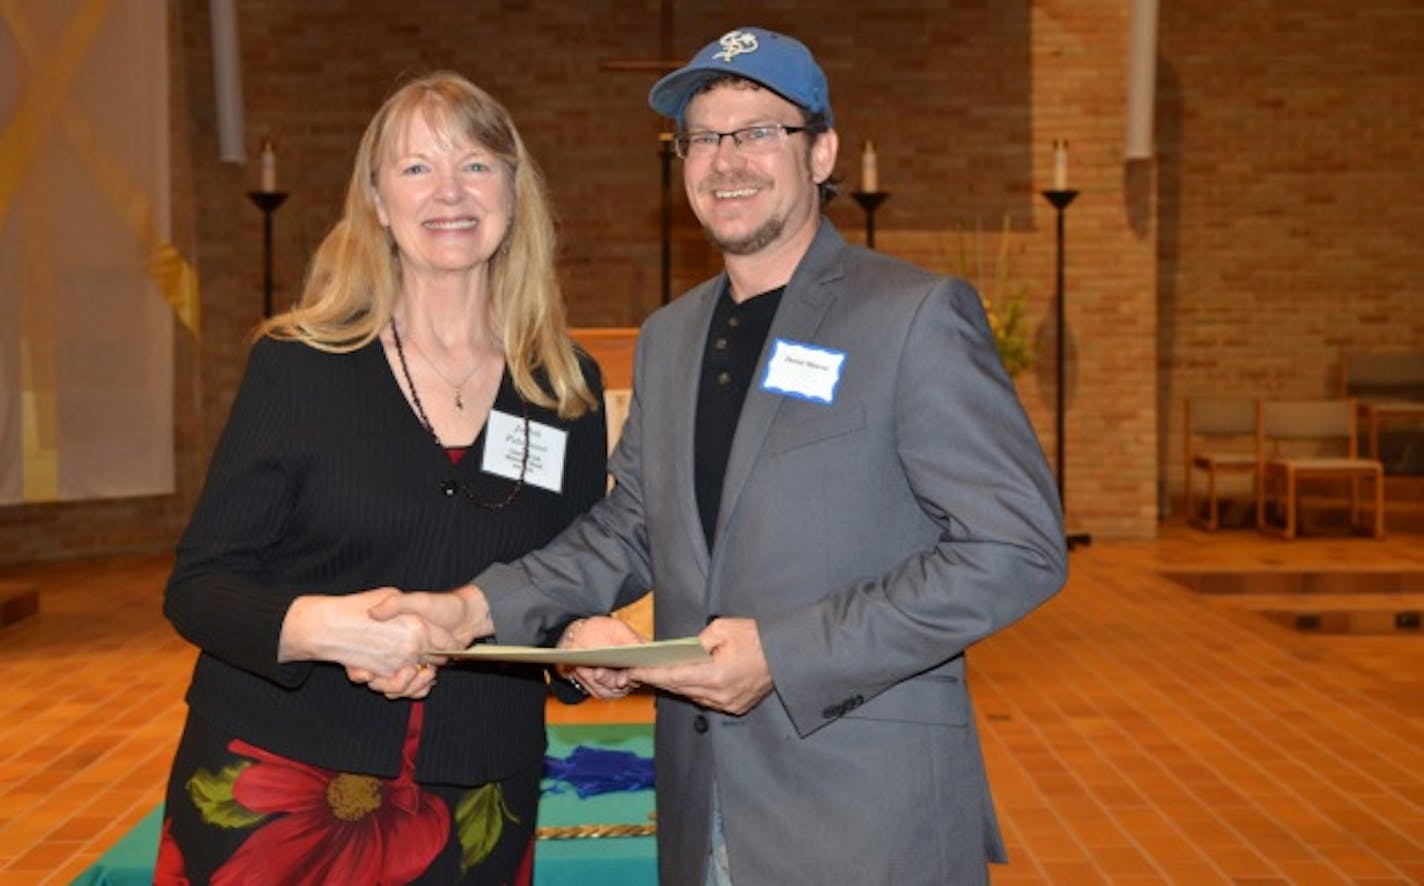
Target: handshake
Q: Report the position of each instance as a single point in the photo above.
(388, 640)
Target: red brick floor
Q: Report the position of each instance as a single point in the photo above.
(1136, 731)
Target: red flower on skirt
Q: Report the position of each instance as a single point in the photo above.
(337, 827)
(168, 869)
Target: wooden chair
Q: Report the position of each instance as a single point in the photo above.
(1389, 389)
(1388, 376)
(1221, 437)
(1311, 440)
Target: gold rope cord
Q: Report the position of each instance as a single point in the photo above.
(596, 831)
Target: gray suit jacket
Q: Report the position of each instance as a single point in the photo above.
(873, 539)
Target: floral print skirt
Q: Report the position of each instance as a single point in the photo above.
(236, 813)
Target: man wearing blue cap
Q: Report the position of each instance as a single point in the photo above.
(826, 475)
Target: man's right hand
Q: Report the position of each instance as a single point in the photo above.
(464, 611)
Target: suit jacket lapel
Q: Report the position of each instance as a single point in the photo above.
(808, 295)
(692, 343)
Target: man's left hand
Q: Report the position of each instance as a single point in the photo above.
(735, 680)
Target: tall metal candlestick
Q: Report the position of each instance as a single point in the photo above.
(267, 201)
(869, 201)
(1060, 200)
(665, 153)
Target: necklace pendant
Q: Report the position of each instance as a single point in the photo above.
(459, 400)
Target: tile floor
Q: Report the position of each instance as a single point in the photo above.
(1136, 731)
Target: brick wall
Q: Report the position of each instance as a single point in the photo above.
(1289, 135)
(1269, 236)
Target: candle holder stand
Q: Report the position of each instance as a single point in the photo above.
(665, 155)
(1060, 200)
(870, 201)
(267, 201)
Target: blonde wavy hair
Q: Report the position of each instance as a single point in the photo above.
(355, 277)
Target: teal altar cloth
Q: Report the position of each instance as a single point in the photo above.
(601, 861)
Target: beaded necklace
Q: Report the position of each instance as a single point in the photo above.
(451, 485)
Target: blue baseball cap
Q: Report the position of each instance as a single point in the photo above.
(778, 62)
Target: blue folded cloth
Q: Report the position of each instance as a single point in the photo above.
(593, 771)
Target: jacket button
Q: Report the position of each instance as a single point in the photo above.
(699, 724)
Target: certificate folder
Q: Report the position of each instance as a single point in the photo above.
(655, 654)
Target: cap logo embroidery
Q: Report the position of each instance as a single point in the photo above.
(734, 43)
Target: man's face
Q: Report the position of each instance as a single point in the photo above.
(750, 200)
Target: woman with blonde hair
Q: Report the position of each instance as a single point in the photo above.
(420, 414)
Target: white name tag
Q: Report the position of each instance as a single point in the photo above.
(804, 371)
(504, 451)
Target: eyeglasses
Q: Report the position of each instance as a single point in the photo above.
(749, 140)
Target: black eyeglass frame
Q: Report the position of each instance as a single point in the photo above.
(682, 141)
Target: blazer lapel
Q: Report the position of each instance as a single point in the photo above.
(692, 342)
(808, 295)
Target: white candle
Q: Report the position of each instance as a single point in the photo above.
(269, 166)
(1060, 164)
(869, 177)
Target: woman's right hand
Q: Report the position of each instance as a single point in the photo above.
(591, 633)
(386, 654)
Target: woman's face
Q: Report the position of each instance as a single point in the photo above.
(448, 202)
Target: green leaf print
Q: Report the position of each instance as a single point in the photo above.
(479, 820)
(212, 794)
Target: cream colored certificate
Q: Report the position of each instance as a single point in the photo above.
(655, 654)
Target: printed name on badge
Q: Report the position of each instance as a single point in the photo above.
(804, 371)
(504, 451)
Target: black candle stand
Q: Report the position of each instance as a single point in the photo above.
(665, 155)
(1060, 200)
(267, 201)
(870, 201)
